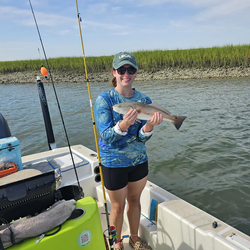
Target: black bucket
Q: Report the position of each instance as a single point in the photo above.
(71, 192)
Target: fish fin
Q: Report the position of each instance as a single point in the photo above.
(178, 121)
(155, 105)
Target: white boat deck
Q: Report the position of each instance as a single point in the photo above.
(179, 226)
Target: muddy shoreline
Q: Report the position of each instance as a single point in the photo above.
(166, 74)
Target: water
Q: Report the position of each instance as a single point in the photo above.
(206, 162)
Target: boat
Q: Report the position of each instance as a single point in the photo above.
(166, 222)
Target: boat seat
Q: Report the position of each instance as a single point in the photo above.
(19, 175)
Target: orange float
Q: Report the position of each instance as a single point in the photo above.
(44, 71)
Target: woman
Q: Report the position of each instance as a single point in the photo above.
(122, 148)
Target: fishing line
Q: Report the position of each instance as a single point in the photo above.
(39, 55)
(94, 127)
(43, 69)
(57, 101)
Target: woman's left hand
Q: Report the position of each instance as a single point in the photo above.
(156, 119)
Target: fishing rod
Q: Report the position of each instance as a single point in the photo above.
(94, 127)
(46, 115)
(57, 100)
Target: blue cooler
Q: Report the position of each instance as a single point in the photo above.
(10, 151)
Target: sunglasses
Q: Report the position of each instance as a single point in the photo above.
(131, 70)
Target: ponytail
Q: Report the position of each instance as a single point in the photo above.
(113, 82)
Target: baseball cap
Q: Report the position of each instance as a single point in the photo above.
(124, 58)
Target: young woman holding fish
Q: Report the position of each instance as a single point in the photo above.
(122, 147)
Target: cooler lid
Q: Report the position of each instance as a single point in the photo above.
(7, 143)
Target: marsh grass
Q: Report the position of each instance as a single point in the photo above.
(216, 57)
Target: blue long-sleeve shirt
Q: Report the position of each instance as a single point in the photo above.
(119, 149)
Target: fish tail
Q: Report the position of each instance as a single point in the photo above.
(178, 120)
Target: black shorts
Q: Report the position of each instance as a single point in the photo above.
(117, 178)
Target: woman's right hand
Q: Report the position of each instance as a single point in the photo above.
(128, 119)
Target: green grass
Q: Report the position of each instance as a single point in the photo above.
(215, 57)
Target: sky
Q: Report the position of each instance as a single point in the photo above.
(111, 26)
